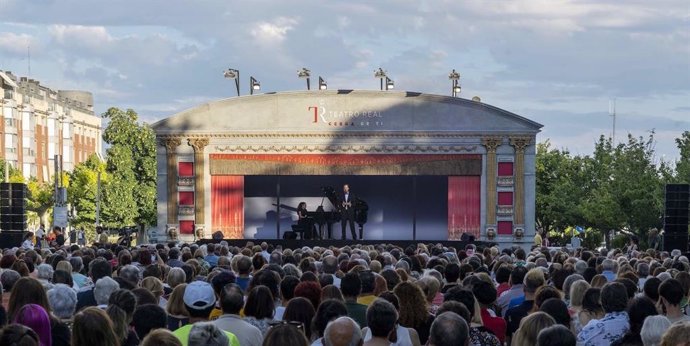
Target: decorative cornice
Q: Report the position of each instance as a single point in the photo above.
(348, 134)
(170, 144)
(492, 143)
(345, 148)
(198, 144)
(520, 143)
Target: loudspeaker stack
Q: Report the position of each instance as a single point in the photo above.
(13, 207)
(676, 216)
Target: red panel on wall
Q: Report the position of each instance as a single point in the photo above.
(505, 227)
(227, 205)
(505, 198)
(464, 202)
(187, 227)
(185, 169)
(186, 198)
(505, 169)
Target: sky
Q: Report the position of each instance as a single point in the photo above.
(557, 62)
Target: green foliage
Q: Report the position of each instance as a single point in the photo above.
(82, 191)
(618, 187)
(132, 165)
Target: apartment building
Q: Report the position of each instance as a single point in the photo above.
(39, 123)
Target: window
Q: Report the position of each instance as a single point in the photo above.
(505, 198)
(185, 169)
(186, 227)
(186, 198)
(505, 169)
(51, 127)
(505, 227)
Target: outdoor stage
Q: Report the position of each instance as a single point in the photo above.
(338, 243)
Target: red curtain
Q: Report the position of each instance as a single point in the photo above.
(185, 169)
(505, 198)
(505, 169)
(464, 202)
(227, 205)
(505, 227)
(186, 198)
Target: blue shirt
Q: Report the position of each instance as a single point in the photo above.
(610, 276)
(212, 260)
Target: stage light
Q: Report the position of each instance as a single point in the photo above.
(233, 74)
(455, 83)
(253, 85)
(322, 84)
(389, 84)
(305, 73)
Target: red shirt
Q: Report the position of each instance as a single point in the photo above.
(496, 325)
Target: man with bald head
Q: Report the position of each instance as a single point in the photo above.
(449, 329)
(342, 331)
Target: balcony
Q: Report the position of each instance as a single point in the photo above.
(504, 210)
(185, 210)
(185, 181)
(506, 181)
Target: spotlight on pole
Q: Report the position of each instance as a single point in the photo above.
(253, 85)
(389, 84)
(305, 73)
(322, 84)
(233, 74)
(381, 75)
(455, 83)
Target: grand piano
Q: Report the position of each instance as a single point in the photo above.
(321, 219)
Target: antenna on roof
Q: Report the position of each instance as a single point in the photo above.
(28, 56)
(612, 113)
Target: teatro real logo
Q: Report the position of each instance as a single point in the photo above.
(322, 114)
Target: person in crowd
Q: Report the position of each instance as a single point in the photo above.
(653, 328)
(244, 268)
(260, 308)
(368, 284)
(449, 329)
(670, 297)
(207, 334)
(530, 326)
(639, 308)
(36, 318)
(285, 334)
(342, 331)
(327, 311)
(178, 315)
(413, 309)
(532, 281)
(63, 301)
(591, 307)
(677, 334)
(148, 317)
(30, 291)
(517, 276)
(556, 335)
(557, 309)
(485, 293)
(19, 335)
(331, 292)
(577, 294)
(351, 286)
(92, 326)
(301, 310)
(161, 337)
(105, 286)
(614, 324)
(98, 268)
(232, 301)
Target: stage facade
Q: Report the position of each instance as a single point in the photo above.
(429, 167)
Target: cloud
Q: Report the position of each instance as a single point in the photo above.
(269, 33)
(16, 44)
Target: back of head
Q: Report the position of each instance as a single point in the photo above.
(207, 334)
(381, 317)
(448, 329)
(671, 291)
(148, 317)
(93, 327)
(161, 337)
(63, 300)
(653, 328)
(105, 286)
(557, 309)
(18, 335)
(530, 327)
(343, 331)
(533, 280)
(36, 318)
(327, 311)
(556, 335)
(351, 285)
(231, 299)
(484, 292)
(677, 334)
(285, 334)
(614, 297)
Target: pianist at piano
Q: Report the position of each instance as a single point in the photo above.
(425, 167)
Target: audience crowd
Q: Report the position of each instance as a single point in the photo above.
(216, 294)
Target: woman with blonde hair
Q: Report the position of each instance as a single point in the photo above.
(413, 309)
(178, 315)
(577, 294)
(598, 281)
(530, 327)
(155, 286)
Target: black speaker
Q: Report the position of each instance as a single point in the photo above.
(13, 206)
(11, 239)
(675, 241)
(677, 209)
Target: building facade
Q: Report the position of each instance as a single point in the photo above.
(474, 164)
(39, 123)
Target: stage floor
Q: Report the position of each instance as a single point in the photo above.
(298, 243)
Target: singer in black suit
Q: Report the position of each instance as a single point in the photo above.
(347, 211)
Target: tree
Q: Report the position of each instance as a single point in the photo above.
(40, 199)
(82, 192)
(683, 164)
(119, 189)
(131, 160)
